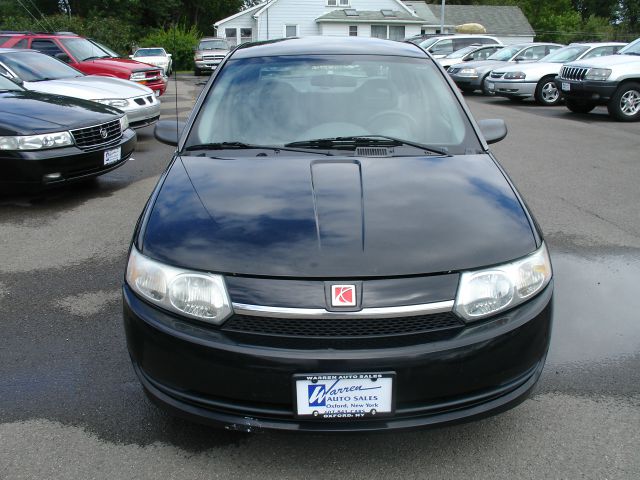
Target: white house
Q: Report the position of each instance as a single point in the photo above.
(273, 19)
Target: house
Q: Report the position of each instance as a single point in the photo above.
(392, 19)
(507, 23)
(273, 19)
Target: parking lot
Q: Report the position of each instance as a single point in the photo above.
(71, 406)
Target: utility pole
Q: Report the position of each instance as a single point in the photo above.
(442, 17)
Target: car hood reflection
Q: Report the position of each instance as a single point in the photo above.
(344, 217)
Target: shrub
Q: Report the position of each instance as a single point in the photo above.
(176, 40)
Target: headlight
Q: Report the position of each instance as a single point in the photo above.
(124, 123)
(198, 58)
(113, 102)
(485, 292)
(468, 72)
(515, 76)
(598, 74)
(36, 142)
(137, 76)
(202, 296)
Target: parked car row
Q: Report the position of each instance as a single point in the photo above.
(583, 74)
(59, 124)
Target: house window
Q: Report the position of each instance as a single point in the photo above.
(353, 30)
(396, 32)
(246, 35)
(337, 3)
(231, 35)
(379, 31)
(291, 31)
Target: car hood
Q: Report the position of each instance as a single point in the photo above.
(542, 68)
(123, 64)
(607, 61)
(304, 216)
(153, 60)
(214, 51)
(90, 87)
(26, 113)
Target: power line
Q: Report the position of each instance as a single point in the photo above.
(32, 15)
(42, 16)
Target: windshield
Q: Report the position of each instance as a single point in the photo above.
(82, 49)
(6, 84)
(428, 42)
(462, 52)
(505, 53)
(565, 54)
(149, 52)
(34, 67)
(106, 49)
(213, 45)
(632, 49)
(280, 100)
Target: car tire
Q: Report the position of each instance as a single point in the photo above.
(625, 103)
(577, 106)
(547, 92)
(467, 89)
(197, 72)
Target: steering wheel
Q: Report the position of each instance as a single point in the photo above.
(391, 120)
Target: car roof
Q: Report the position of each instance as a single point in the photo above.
(318, 45)
(597, 44)
(15, 50)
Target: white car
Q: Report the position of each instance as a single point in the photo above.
(156, 56)
(42, 73)
(443, 45)
(536, 80)
(468, 54)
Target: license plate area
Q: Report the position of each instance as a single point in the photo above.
(566, 86)
(344, 396)
(112, 156)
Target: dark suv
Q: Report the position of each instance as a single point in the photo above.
(87, 56)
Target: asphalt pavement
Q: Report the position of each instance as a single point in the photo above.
(71, 406)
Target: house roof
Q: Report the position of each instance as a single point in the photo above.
(239, 14)
(423, 11)
(369, 16)
(498, 20)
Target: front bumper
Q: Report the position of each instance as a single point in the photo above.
(28, 168)
(467, 82)
(142, 115)
(587, 90)
(206, 375)
(513, 89)
(208, 64)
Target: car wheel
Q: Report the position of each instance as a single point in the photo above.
(625, 103)
(467, 89)
(197, 72)
(547, 92)
(579, 107)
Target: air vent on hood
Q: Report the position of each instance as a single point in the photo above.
(374, 152)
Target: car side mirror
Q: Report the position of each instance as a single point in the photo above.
(493, 129)
(519, 59)
(63, 56)
(169, 131)
(168, 54)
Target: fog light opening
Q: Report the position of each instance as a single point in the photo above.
(52, 177)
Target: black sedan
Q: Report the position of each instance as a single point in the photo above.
(48, 140)
(333, 248)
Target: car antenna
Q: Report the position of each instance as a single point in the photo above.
(175, 85)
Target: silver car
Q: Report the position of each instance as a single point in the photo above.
(470, 76)
(536, 80)
(209, 53)
(42, 73)
(468, 54)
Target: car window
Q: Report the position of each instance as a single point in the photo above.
(6, 84)
(34, 67)
(442, 47)
(487, 41)
(505, 54)
(4, 40)
(149, 52)
(46, 46)
(459, 43)
(482, 53)
(632, 49)
(462, 52)
(279, 100)
(82, 49)
(213, 45)
(565, 54)
(601, 51)
(533, 53)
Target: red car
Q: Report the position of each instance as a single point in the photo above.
(87, 56)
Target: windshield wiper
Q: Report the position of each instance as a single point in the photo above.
(243, 146)
(355, 141)
(93, 58)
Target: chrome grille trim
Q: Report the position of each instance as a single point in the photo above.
(377, 312)
(89, 138)
(573, 73)
(497, 75)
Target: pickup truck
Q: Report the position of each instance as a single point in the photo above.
(612, 80)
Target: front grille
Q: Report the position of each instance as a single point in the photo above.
(341, 328)
(573, 73)
(212, 57)
(97, 136)
(497, 75)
